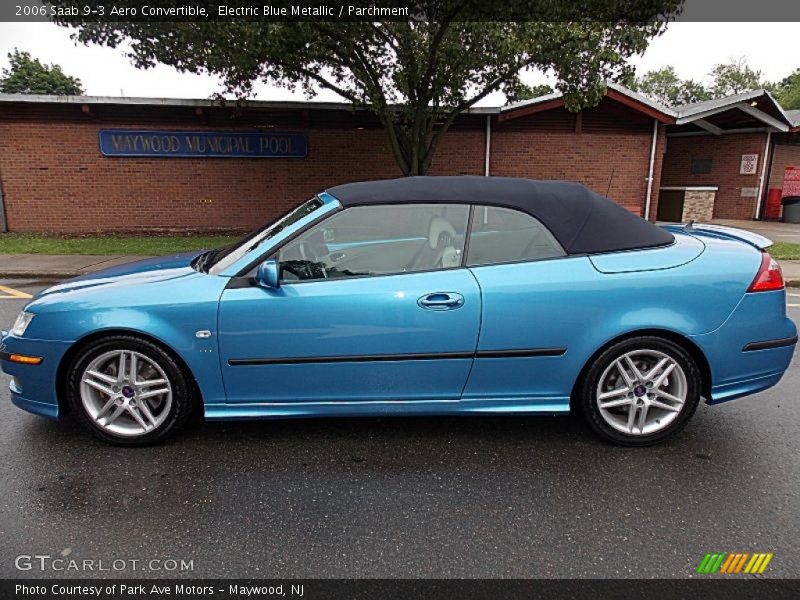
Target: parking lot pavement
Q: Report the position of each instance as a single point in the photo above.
(432, 497)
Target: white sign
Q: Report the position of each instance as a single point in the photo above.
(749, 164)
(749, 192)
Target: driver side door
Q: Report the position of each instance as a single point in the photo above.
(374, 305)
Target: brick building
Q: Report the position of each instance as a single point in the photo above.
(70, 164)
(724, 156)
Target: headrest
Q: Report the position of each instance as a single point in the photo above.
(437, 228)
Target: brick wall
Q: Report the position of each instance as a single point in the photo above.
(56, 180)
(785, 156)
(725, 152)
(612, 160)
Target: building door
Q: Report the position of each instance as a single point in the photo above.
(670, 206)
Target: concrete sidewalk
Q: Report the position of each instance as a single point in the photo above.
(58, 266)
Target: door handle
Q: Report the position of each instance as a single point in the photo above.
(441, 301)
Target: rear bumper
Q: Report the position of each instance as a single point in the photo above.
(751, 351)
(740, 389)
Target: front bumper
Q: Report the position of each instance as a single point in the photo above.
(33, 387)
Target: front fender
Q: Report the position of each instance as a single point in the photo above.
(169, 312)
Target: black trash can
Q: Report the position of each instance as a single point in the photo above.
(791, 209)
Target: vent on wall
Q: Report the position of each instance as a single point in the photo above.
(701, 166)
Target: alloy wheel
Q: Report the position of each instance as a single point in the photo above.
(642, 392)
(126, 393)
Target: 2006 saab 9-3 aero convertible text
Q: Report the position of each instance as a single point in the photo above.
(424, 295)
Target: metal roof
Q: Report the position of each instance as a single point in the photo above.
(196, 103)
(613, 86)
(682, 114)
(743, 101)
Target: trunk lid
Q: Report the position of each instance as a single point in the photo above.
(685, 249)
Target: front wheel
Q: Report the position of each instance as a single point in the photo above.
(128, 391)
(640, 391)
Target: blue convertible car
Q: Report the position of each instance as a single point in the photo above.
(424, 295)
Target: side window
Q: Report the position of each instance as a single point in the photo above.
(503, 235)
(378, 240)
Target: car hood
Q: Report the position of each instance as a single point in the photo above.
(150, 270)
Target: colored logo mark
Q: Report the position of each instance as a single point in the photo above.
(735, 562)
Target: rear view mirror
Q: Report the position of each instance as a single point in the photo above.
(268, 274)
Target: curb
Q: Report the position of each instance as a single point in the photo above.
(41, 274)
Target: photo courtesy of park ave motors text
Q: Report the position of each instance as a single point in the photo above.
(422, 299)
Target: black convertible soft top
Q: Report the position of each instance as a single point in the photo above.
(580, 219)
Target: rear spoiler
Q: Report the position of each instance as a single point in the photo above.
(723, 232)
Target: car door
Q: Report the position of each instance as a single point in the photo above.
(536, 301)
(374, 305)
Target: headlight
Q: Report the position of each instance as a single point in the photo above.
(21, 324)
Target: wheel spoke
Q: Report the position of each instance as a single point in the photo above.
(642, 418)
(629, 381)
(135, 414)
(631, 416)
(99, 386)
(105, 408)
(664, 406)
(614, 403)
(102, 377)
(152, 393)
(634, 369)
(121, 366)
(150, 383)
(613, 393)
(147, 412)
(668, 396)
(133, 368)
(667, 370)
(113, 416)
(659, 365)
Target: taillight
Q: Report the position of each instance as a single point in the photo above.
(769, 277)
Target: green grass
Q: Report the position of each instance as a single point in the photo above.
(785, 251)
(154, 245)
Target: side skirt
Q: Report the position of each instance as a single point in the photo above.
(380, 408)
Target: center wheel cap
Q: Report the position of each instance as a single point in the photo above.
(639, 390)
(128, 391)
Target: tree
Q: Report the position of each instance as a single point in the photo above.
(664, 86)
(735, 77)
(788, 91)
(417, 75)
(28, 75)
(527, 92)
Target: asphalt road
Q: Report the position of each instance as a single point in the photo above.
(427, 497)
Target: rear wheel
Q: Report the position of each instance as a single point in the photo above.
(640, 391)
(128, 391)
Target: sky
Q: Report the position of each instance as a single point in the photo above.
(692, 48)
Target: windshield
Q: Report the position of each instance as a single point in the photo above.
(222, 258)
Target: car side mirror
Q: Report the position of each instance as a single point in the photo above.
(268, 274)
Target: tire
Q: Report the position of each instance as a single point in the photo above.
(607, 408)
(126, 410)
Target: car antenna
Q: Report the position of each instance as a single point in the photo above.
(689, 226)
(610, 179)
